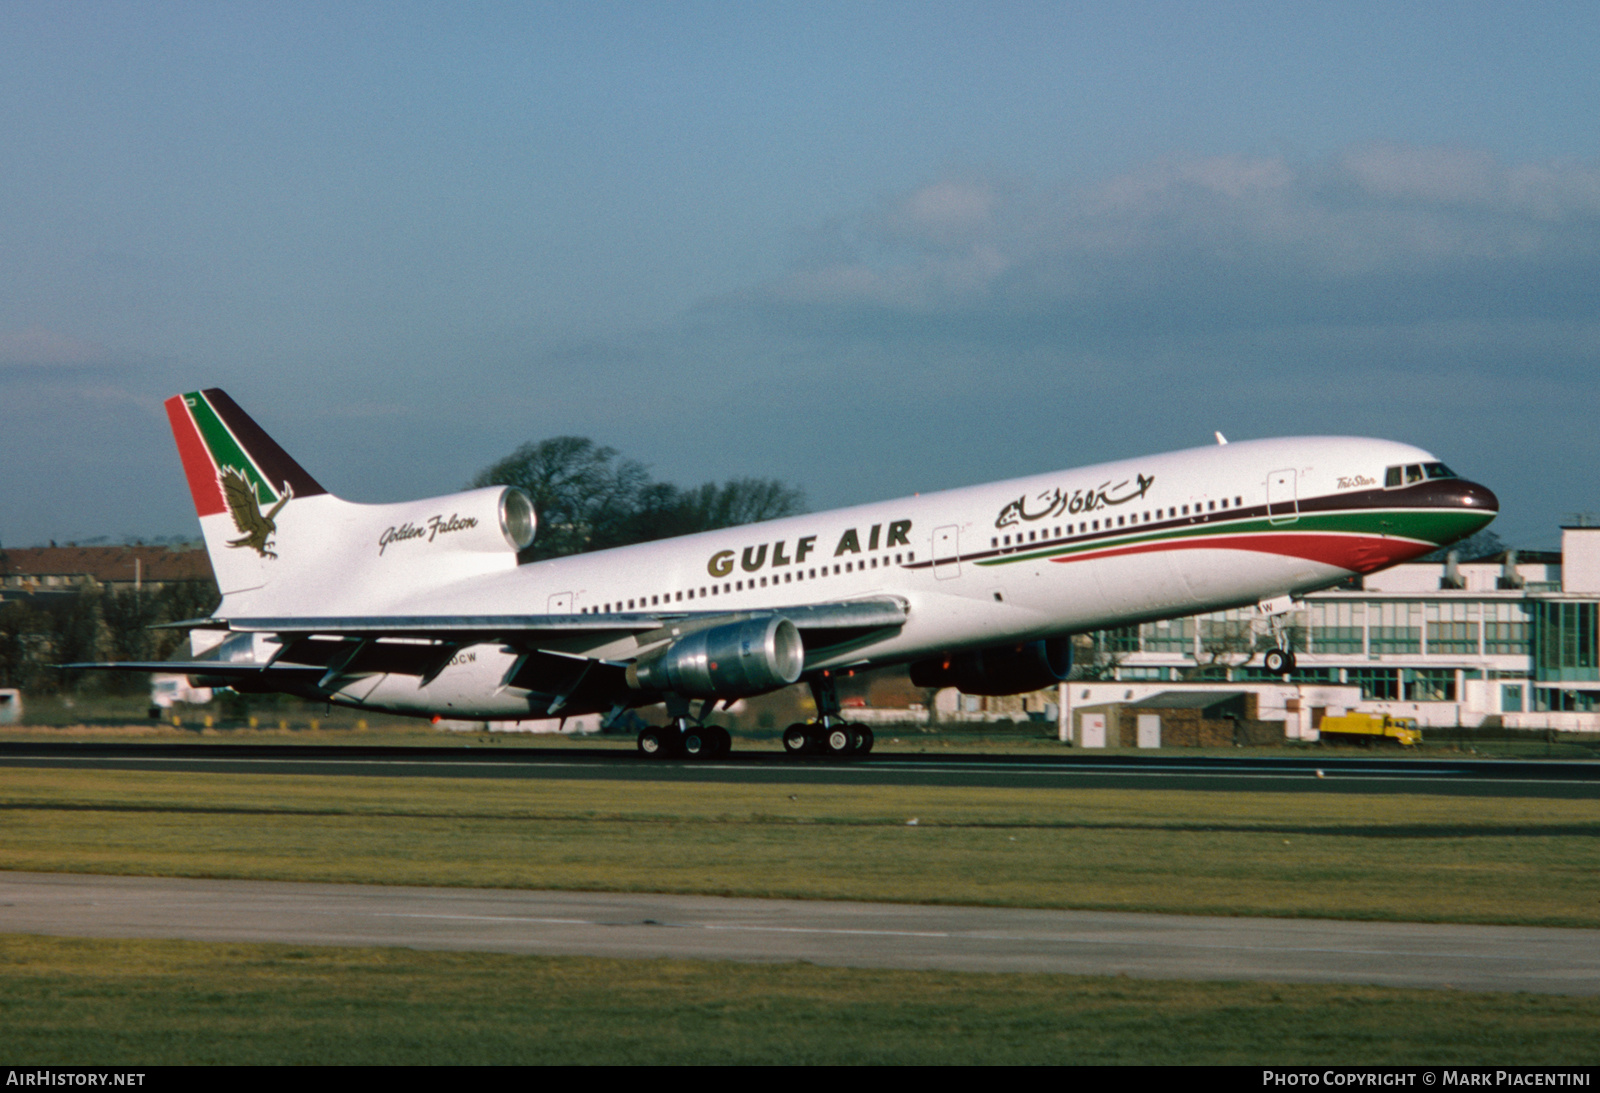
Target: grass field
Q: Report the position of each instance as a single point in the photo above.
(1435, 858)
(1425, 858)
(133, 1003)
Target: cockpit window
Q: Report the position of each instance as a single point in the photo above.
(1411, 473)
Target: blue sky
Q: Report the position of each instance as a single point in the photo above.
(869, 249)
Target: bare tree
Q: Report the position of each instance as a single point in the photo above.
(588, 498)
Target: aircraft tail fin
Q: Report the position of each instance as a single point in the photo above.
(217, 440)
(279, 542)
(240, 479)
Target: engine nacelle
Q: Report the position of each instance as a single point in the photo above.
(494, 520)
(734, 660)
(999, 670)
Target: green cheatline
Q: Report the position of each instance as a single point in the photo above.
(224, 449)
(1423, 525)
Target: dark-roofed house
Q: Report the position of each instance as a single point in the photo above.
(43, 571)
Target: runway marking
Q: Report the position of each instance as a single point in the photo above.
(959, 767)
(963, 935)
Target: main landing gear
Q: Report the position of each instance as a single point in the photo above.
(684, 737)
(829, 734)
(685, 741)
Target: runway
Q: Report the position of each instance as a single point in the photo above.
(865, 935)
(1066, 770)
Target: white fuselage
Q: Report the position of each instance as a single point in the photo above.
(1070, 551)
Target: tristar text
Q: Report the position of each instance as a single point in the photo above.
(752, 558)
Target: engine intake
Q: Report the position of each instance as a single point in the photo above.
(734, 660)
(999, 670)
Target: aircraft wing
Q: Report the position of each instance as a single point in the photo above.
(315, 650)
(539, 631)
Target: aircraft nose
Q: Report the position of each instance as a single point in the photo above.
(1470, 495)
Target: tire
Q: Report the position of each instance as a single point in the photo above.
(1276, 662)
(699, 744)
(863, 740)
(653, 743)
(796, 739)
(723, 742)
(839, 740)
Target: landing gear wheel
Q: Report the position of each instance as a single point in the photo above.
(838, 740)
(796, 739)
(699, 743)
(654, 743)
(1278, 662)
(863, 739)
(721, 741)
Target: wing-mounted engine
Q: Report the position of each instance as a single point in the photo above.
(735, 660)
(999, 669)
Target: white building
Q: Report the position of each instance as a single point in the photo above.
(1513, 641)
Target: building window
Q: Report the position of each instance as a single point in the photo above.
(1395, 627)
(1169, 636)
(1430, 685)
(1565, 640)
(1377, 684)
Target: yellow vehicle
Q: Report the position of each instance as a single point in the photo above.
(1350, 727)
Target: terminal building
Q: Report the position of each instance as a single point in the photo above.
(1510, 641)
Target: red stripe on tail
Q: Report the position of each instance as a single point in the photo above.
(197, 464)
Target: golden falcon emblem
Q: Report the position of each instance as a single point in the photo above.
(240, 494)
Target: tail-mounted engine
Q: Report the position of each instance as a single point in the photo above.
(734, 660)
(999, 670)
(494, 520)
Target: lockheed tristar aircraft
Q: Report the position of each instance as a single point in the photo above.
(422, 608)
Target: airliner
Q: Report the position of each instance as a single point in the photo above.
(422, 608)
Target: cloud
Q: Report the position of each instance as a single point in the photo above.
(36, 347)
(1378, 234)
